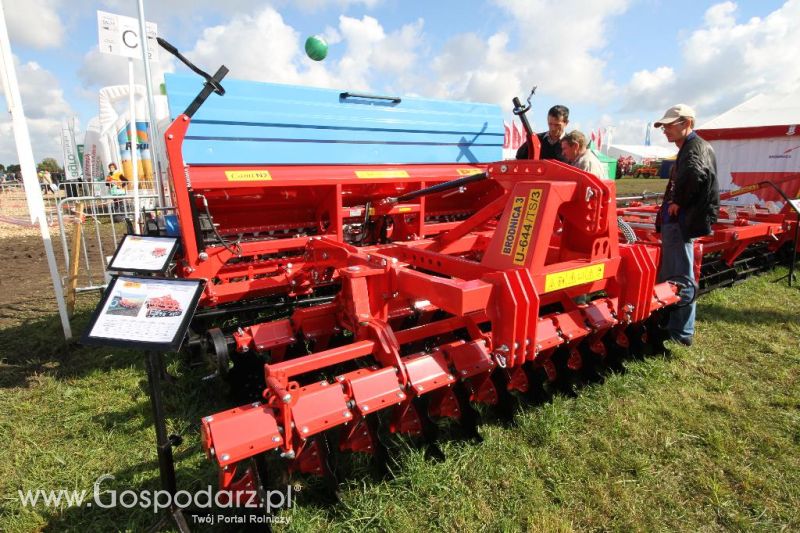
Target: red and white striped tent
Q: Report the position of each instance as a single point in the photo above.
(755, 141)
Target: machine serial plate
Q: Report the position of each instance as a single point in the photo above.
(576, 276)
(248, 175)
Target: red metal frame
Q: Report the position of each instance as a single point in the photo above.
(520, 265)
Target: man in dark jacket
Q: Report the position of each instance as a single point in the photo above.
(690, 207)
(557, 120)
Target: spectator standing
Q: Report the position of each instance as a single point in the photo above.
(690, 207)
(557, 120)
(576, 151)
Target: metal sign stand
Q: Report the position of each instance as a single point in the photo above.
(154, 363)
(153, 314)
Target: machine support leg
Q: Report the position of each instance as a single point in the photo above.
(791, 276)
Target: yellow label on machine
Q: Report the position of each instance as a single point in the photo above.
(366, 174)
(526, 228)
(468, 171)
(571, 278)
(248, 175)
(517, 206)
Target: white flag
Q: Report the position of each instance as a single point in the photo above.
(72, 165)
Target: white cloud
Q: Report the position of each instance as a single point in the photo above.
(34, 23)
(44, 105)
(510, 61)
(100, 70)
(316, 5)
(262, 47)
(724, 63)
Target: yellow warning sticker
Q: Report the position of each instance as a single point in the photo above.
(526, 228)
(404, 209)
(366, 174)
(571, 278)
(248, 175)
(468, 171)
(517, 206)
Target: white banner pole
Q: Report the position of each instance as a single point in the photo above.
(26, 161)
(133, 139)
(155, 136)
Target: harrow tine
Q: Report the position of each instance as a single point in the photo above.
(260, 472)
(328, 473)
(618, 350)
(567, 379)
(507, 403)
(469, 416)
(380, 456)
(594, 364)
(430, 431)
(537, 393)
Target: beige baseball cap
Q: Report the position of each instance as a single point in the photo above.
(674, 113)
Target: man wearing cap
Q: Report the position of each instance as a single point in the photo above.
(690, 207)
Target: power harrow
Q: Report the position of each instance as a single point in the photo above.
(348, 298)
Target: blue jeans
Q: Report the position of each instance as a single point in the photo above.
(677, 261)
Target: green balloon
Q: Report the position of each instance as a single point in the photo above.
(316, 48)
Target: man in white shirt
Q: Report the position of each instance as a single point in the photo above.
(576, 150)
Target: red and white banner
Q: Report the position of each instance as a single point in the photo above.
(743, 162)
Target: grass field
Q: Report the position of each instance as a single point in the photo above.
(700, 439)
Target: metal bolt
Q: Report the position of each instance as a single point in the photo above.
(503, 168)
(209, 419)
(212, 451)
(304, 429)
(255, 404)
(225, 457)
(324, 383)
(287, 398)
(394, 260)
(202, 256)
(346, 414)
(463, 372)
(365, 407)
(401, 395)
(276, 439)
(170, 136)
(324, 255)
(354, 268)
(288, 266)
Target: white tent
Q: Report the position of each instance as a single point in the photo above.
(755, 141)
(640, 152)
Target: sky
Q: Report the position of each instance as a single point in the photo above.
(614, 63)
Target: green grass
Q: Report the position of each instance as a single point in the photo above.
(630, 186)
(703, 439)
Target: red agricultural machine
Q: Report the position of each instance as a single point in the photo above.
(347, 298)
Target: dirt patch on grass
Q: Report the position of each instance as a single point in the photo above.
(26, 292)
